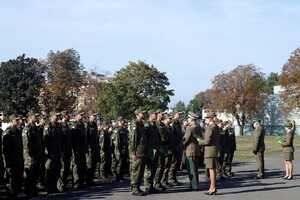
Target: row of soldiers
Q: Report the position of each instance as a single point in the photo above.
(45, 154)
(157, 151)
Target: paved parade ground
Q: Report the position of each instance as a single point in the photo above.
(241, 186)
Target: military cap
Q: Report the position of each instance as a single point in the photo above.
(42, 117)
(168, 117)
(210, 115)
(79, 112)
(176, 111)
(94, 114)
(160, 111)
(192, 115)
(255, 120)
(152, 111)
(289, 125)
(11, 117)
(139, 110)
(120, 118)
(64, 113)
(52, 113)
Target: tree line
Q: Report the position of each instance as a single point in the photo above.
(245, 90)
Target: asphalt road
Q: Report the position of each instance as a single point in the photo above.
(241, 186)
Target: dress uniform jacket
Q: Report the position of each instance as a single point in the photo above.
(211, 141)
(288, 145)
(190, 140)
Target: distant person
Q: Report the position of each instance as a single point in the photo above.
(259, 148)
(288, 151)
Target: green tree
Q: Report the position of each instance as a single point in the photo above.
(272, 80)
(137, 85)
(64, 80)
(20, 83)
(180, 106)
(195, 106)
(289, 80)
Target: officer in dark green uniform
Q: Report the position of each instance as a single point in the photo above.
(258, 147)
(121, 148)
(53, 149)
(151, 160)
(93, 147)
(33, 154)
(13, 157)
(80, 150)
(105, 151)
(137, 152)
(40, 127)
(171, 144)
(177, 131)
(66, 142)
(163, 151)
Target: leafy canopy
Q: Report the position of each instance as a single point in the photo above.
(137, 85)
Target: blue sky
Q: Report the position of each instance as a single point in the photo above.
(190, 40)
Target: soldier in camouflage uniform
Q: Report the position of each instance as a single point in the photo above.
(121, 148)
(105, 150)
(163, 151)
(80, 150)
(113, 156)
(177, 131)
(54, 152)
(67, 147)
(42, 123)
(232, 149)
(151, 160)
(137, 152)
(33, 154)
(224, 145)
(93, 147)
(2, 170)
(13, 157)
(171, 144)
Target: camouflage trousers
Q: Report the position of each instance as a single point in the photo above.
(174, 167)
(219, 169)
(121, 162)
(91, 163)
(150, 170)
(114, 163)
(53, 167)
(32, 174)
(65, 172)
(79, 170)
(14, 176)
(137, 168)
(229, 161)
(159, 171)
(168, 164)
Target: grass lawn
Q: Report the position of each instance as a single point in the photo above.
(244, 146)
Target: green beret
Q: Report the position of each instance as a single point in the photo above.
(139, 110)
(11, 117)
(192, 115)
(202, 120)
(289, 125)
(64, 113)
(255, 120)
(210, 115)
(30, 113)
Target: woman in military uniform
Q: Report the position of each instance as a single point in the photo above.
(288, 151)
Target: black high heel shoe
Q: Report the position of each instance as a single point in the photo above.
(285, 177)
(290, 178)
(211, 193)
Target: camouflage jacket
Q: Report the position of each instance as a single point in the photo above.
(92, 137)
(32, 142)
(79, 138)
(121, 140)
(13, 146)
(52, 140)
(137, 139)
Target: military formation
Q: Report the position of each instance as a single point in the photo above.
(64, 151)
(61, 152)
